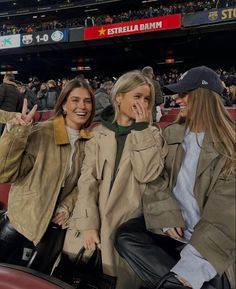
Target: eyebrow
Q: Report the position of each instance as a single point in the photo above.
(79, 97)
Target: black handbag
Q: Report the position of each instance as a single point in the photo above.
(48, 249)
(84, 275)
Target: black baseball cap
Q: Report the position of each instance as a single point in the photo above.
(196, 77)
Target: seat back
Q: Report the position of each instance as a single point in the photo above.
(16, 277)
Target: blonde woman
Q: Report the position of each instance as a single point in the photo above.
(188, 238)
(125, 154)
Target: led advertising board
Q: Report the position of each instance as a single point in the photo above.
(133, 27)
(9, 41)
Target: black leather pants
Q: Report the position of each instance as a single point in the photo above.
(152, 256)
(18, 250)
(14, 247)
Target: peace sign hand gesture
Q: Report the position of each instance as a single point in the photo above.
(25, 117)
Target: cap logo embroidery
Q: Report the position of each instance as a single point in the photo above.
(204, 82)
(183, 75)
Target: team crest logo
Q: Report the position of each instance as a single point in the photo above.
(183, 75)
(213, 15)
(27, 39)
(57, 36)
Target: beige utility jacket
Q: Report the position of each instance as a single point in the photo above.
(35, 160)
(104, 208)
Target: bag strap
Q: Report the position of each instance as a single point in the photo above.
(94, 262)
(79, 256)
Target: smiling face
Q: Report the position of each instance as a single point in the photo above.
(182, 100)
(78, 108)
(128, 103)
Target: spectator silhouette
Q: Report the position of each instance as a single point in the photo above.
(52, 95)
(148, 71)
(10, 97)
(102, 99)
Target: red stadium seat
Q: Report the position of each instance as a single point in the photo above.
(232, 112)
(16, 277)
(4, 190)
(43, 115)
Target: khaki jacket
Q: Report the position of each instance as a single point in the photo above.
(214, 235)
(104, 208)
(35, 160)
(5, 116)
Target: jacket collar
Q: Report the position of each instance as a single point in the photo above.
(208, 152)
(60, 132)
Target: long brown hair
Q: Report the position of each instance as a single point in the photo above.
(74, 83)
(206, 111)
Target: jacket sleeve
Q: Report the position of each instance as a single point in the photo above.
(148, 152)
(67, 205)
(86, 213)
(5, 116)
(160, 209)
(15, 160)
(214, 235)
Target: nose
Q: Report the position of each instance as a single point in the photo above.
(82, 104)
(177, 99)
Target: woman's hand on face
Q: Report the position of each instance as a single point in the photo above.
(141, 112)
(91, 239)
(175, 233)
(25, 117)
(59, 218)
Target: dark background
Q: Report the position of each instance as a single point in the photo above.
(212, 45)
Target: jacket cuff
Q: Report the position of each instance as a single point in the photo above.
(18, 130)
(87, 220)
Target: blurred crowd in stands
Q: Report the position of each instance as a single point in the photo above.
(45, 94)
(95, 20)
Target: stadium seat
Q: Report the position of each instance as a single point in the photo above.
(4, 190)
(16, 277)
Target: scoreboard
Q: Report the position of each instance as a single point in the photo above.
(44, 37)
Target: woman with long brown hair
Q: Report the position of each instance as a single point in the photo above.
(188, 237)
(43, 163)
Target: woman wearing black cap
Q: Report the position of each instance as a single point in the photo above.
(186, 237)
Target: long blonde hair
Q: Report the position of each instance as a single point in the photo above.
(206, 110)
(127, 82)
